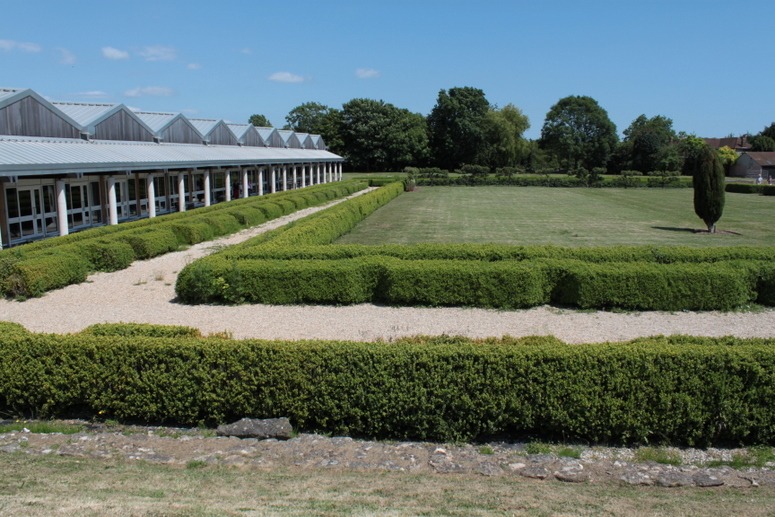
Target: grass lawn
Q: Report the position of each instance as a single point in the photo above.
(82, 486)
(564, 217)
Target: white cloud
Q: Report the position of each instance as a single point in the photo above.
(194, 66)
(366, 73)
(114, 53)
(246, 51)
(158, 53)
(286, 77)
(66, 57)
(94, 94)
(25, 46)
(150, 91)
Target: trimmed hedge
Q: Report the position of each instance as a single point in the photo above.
(295, 265)
(556, 180)
(503, 284)
(679, 390)
(140, 329)
(35, 276)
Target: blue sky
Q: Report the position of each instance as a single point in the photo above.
(706, 64)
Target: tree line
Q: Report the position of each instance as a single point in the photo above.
(465, 129)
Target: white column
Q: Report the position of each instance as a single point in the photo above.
(317, 172)
(245, 183)
(207, 188)
(326, 173)
(112, 208)
(227, 184)
(273, 184)
(261, 181)
(340, 171)
(61, 208)
(303, 175)
(285, 177)
(150, 192)
(181, 192)
(294, 176)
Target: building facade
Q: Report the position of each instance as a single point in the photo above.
(65, 167)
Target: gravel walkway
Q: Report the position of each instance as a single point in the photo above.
(145, 292)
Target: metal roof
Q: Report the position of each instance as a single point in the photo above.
(239, 130)
(204, 125)
(157, 121)
(6, 93)
(36, 156)
(86, 114)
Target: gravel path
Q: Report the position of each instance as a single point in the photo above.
(145, 292)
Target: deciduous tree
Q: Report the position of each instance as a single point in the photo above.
(649, 139)
(504, 145)
(259, 120)
(456, 126)
(578, 131)
(377, 136)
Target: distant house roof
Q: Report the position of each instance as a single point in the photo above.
(763, 159)
(739, 143)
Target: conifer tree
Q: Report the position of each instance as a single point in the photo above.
(708, 179)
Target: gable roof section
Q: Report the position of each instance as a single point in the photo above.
(246, 134)
(305, 141)
(318, 142)
(289, 138)
(25, 112)
(271, 137)
(171, 127)
(107, 121)
(763, 159)
(215, 131)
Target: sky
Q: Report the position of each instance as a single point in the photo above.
(706, 64)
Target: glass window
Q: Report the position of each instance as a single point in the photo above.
(11, 202)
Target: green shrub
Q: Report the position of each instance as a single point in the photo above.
(743, 188)
(103, 254)
(140, 329)
(642, 286)
(45, 272)
(768, 190)
(151, 243)
(464, 283)
(680, 390)
(192, 231)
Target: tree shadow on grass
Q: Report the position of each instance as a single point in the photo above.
(674, 229)
(693, 230)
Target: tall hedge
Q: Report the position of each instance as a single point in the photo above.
(679, 390)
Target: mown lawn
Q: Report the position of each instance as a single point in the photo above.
(564, 217)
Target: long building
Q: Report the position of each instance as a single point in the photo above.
(68, 166)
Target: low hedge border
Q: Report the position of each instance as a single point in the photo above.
(676, 390)
(296, 265)
(33, 269)
(560, 181)
(503, 284)
(750, 188)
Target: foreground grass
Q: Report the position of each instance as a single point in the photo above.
(70, 486)
(563, 217)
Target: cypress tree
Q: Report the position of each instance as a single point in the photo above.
(708, 179)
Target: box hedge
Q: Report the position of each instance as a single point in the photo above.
(679, 390)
